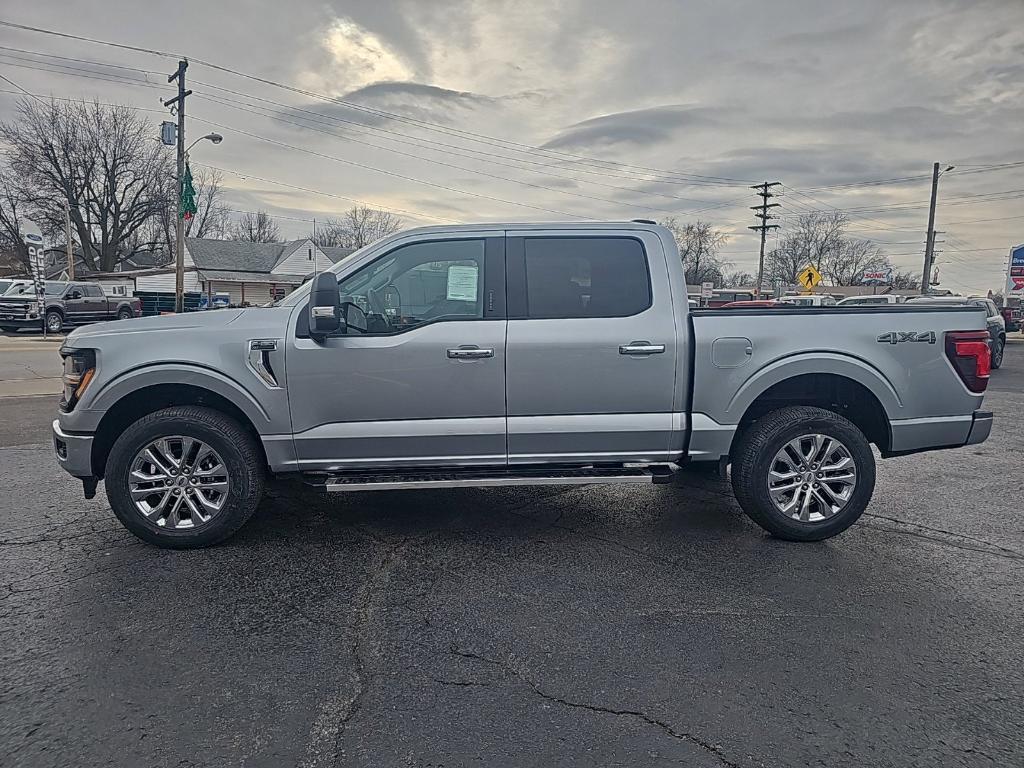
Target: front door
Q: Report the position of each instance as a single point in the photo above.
(425, 385)
(592, 350)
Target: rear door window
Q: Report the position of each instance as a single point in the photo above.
(569, 277)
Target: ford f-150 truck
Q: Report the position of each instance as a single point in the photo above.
(66, 304)
(511, 354)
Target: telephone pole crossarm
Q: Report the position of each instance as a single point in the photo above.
(761, 212)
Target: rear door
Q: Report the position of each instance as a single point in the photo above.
(592, 349)
(76, 306)
(95, 303)
(425, 385)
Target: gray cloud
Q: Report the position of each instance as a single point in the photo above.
(639, 126)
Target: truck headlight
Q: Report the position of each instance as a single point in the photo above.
(33, 308)
(79, 369)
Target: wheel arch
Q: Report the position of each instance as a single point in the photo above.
(847, 396)
(139, 402)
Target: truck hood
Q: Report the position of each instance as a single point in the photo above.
(189, 321)
(18, 299)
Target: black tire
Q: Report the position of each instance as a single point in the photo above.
(997, 353)
(236, 446)
(54, 321)
(124, 314)
(753, 458)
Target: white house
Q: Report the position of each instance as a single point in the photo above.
(250, 273)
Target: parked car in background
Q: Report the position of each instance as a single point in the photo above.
(993, 318)
(77, 303)
(725, 296)
(441, 357)
(810, 300)
(871, 301)
(751, 304)
(14, 285)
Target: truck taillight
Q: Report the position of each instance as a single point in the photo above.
(971, 357)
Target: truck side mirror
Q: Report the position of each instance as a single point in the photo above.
(325, 316)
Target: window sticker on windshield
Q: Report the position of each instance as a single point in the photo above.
(462, 283)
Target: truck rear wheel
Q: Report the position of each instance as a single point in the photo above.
(803, 474)
(124, 313)
(184, 477)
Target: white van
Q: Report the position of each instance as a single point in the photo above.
(809, 300)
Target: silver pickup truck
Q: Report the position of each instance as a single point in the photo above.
(511, 355)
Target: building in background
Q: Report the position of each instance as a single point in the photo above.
(248, 273)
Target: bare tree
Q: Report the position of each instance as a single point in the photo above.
(256, 227)
(365, 225)
(739, 279)
(11, 206)
(101, 160)
(813, 239)
(906, 280)
(332, 233)
(846, 262)
(699, 243)
(211, 219)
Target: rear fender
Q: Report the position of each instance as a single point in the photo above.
(811, 363)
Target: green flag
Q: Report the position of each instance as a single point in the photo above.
(187, 203)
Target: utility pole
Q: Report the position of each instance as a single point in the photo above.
(67, 239)
(929, 246)
(178, 103)
(761, 212)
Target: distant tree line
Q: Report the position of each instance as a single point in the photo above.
(817, 238)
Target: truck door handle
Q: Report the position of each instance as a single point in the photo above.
(469, 353)
(641, 348)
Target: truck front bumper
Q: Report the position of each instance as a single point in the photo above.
(22, 322)
(74, 452)
(981, 427)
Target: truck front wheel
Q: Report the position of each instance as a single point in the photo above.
(184, 477)
(803, 474)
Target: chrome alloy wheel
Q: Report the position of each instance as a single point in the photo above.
(178, 482)
(812, 478)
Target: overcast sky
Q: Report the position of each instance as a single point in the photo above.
(591, 109)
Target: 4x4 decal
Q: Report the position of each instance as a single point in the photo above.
(898, 337)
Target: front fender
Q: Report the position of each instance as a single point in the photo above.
(86, 417)
(804, 363)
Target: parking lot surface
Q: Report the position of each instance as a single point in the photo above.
(627, 625)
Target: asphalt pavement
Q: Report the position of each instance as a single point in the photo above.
(591, 626)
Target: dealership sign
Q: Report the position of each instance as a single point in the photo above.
(1015, 272)
(33, 238)
(876, 277)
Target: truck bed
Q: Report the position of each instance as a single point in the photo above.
(894, 355)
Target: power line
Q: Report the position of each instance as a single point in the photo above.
(694, 178)
(220, 101)
(365, 129)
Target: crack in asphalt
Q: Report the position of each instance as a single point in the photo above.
(324, 746)
(512, 670)
(1008, 552)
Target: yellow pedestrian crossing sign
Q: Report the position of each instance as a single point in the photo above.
(809, 278)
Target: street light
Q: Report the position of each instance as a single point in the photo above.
(216, 138)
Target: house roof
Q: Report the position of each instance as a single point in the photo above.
(237, 255)
(336, 253)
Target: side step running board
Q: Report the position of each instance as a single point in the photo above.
(389, 481)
